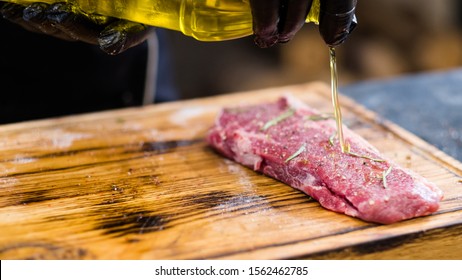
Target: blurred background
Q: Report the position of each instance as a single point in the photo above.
(42, 76)
(394, 37)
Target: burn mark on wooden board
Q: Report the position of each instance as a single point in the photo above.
(167, 146)
(123, 223)
(207, 200)
(34, 197)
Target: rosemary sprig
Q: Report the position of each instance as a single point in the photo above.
(288, 113)
(297, 153)
(349, 152)
(384, 177)
(319, 117)
(364, 156)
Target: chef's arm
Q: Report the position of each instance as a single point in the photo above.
(277, 21)
(66, 21)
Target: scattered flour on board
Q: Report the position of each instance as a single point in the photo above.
(247, 196)
(242, 176)
(23, 159)
(182, 117)
(62, 139)
(8, 181)
(54, 137)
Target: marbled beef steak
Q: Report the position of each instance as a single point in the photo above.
(293, 143)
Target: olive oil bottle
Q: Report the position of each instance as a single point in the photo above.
(205, 20)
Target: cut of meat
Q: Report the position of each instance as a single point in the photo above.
(293, 143)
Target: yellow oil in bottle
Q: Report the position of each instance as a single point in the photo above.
(205, 20)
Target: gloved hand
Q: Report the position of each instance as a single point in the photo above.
(66, 21)
(277, 21)
(337, 20)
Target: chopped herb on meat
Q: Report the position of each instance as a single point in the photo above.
(297, 153)
(384, 177)
(320, 117)
(287, 114)
(366, 157)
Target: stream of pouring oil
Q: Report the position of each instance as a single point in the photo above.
(335, 101)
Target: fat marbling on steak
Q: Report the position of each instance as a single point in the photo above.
(287, 140)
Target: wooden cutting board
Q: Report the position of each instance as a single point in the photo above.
(141, 183)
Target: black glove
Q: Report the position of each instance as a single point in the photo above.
(66, 21)
(277, 21)
(337, 20)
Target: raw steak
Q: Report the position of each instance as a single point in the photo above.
(288, 141)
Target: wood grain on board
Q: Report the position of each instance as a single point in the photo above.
(141, 183)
